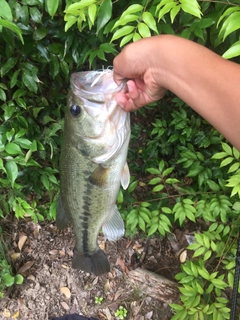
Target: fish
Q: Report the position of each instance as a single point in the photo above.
(93, 166)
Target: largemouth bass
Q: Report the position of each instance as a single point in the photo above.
(92, 166)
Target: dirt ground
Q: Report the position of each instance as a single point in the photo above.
(51, 288)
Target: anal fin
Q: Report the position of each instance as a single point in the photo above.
(114, 229)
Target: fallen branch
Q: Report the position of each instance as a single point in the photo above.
(154, 285)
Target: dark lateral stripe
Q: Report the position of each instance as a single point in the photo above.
(85, 216)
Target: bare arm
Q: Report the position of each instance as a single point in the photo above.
(204, 80)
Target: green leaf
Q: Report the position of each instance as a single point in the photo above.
(144, 30)
(132, 9)
(8, 279)
(73, 8)
(6, 67)
(39, 34)
(5, 12)
(125, 20)
(29, 82)
(13, 80)
(207, 255)
(10, 25)
(191, 7)
(155, 181)
(233, 51)
(167, 171)
(213, 185)
(219, 283)
(104, 14)
(12, 171)
(199, 252)
(52, 6)
(234, 167)
(174, 12)
(226, 161)
(92, 10)
(149, 21)
(122, 32)
(3, 96)
(153, 171)
(13, 149)
(70, 21)
(36, 15)
(126, 39)
(19, 279)
(231, 24)
(141, 223)
(227, 148)
(167, 8)
(158, 188)
(144, 215)
(132, 186)
(152, 229)
(166, 210)
(203, 273)
(54, 66)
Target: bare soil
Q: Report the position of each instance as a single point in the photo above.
(51, 288)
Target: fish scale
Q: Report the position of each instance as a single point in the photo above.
(92, 166)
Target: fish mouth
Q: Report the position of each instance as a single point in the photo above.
(94, 85)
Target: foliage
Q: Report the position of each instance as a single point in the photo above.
(176, 179)
(6, 277)
(121, 313)
(98, 300)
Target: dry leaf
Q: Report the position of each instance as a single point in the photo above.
(138, 247)
(102, 245)
(65, 305)
(102, 315)
(120, 263)
(107, 286)
(62, 253)
(95, 281)
(141, 184)
(31, 277)
(15, 255)
(149, 315)
(25, 267)
(16, 315)
(6, 313)
(53, 252)
(107, 314)
(22, 241)
(128, 244)
(183, 256)
(66, 292)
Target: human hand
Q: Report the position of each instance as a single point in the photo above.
(138, 63)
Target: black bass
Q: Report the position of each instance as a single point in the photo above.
(92, 166)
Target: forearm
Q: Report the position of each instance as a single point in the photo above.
(204, 80)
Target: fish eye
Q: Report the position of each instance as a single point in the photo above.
(75, 110)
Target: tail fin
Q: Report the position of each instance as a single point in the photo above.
(96, 263)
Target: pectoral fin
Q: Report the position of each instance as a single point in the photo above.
(62, 218)
(125, 177)
(99, 176)
(114, 228)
